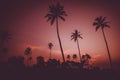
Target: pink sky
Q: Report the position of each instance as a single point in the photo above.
(28, 26)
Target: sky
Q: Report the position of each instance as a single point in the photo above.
(25, 20)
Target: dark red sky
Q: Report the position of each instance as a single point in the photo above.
(24, 19)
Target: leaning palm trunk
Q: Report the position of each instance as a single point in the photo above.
(79, 49)
(110, 60)
(59, 40)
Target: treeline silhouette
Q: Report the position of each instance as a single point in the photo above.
(15, 69)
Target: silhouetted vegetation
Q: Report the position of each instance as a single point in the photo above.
(57, 12)
(52, 69)
(68, 57)
(100, 22)
(75, 57)
(50, 45)
(85, 60)
(28, 52)
(75, 37)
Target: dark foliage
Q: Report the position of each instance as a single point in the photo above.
(14, 69)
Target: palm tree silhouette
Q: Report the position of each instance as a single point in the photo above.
(101, 22)
(74, 57)
(75, 36)
(85, 59)
(50, 45)
(68, 57)
(56, 12)
(28, 52)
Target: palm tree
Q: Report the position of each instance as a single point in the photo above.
(85, 59)
(68, 57)
(50, 45)
(75, 36)
(57, 12)
(74, 57)
(101, 22)
(28, 52)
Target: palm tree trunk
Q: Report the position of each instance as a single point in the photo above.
(59, 40)
(110, 60)
(79, 49)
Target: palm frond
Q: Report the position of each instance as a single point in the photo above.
(49, 18)
(104, 18)
(76, 35)
(97, 19)
(53, 20)
(100, 22)
(106, 25)
(95, 23)
(80, 36)
(63, 13)
(62, 18)
(56, 11)
(48, 15)
(97, 27)
(72, 38)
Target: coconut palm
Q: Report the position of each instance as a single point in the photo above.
(85, 59)
(57, 12)
(68, 57)
(74, 57)
(75, 37)
(100, 22)
(28, 52)
(50, 45)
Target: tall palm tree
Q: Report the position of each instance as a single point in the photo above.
(100, 22)
(75, 37)
(28, 52)
(57, 12)
(50, 45)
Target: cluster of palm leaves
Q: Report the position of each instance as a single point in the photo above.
(28, 53)
(56, 11)
(50, 45)
(75, 37)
